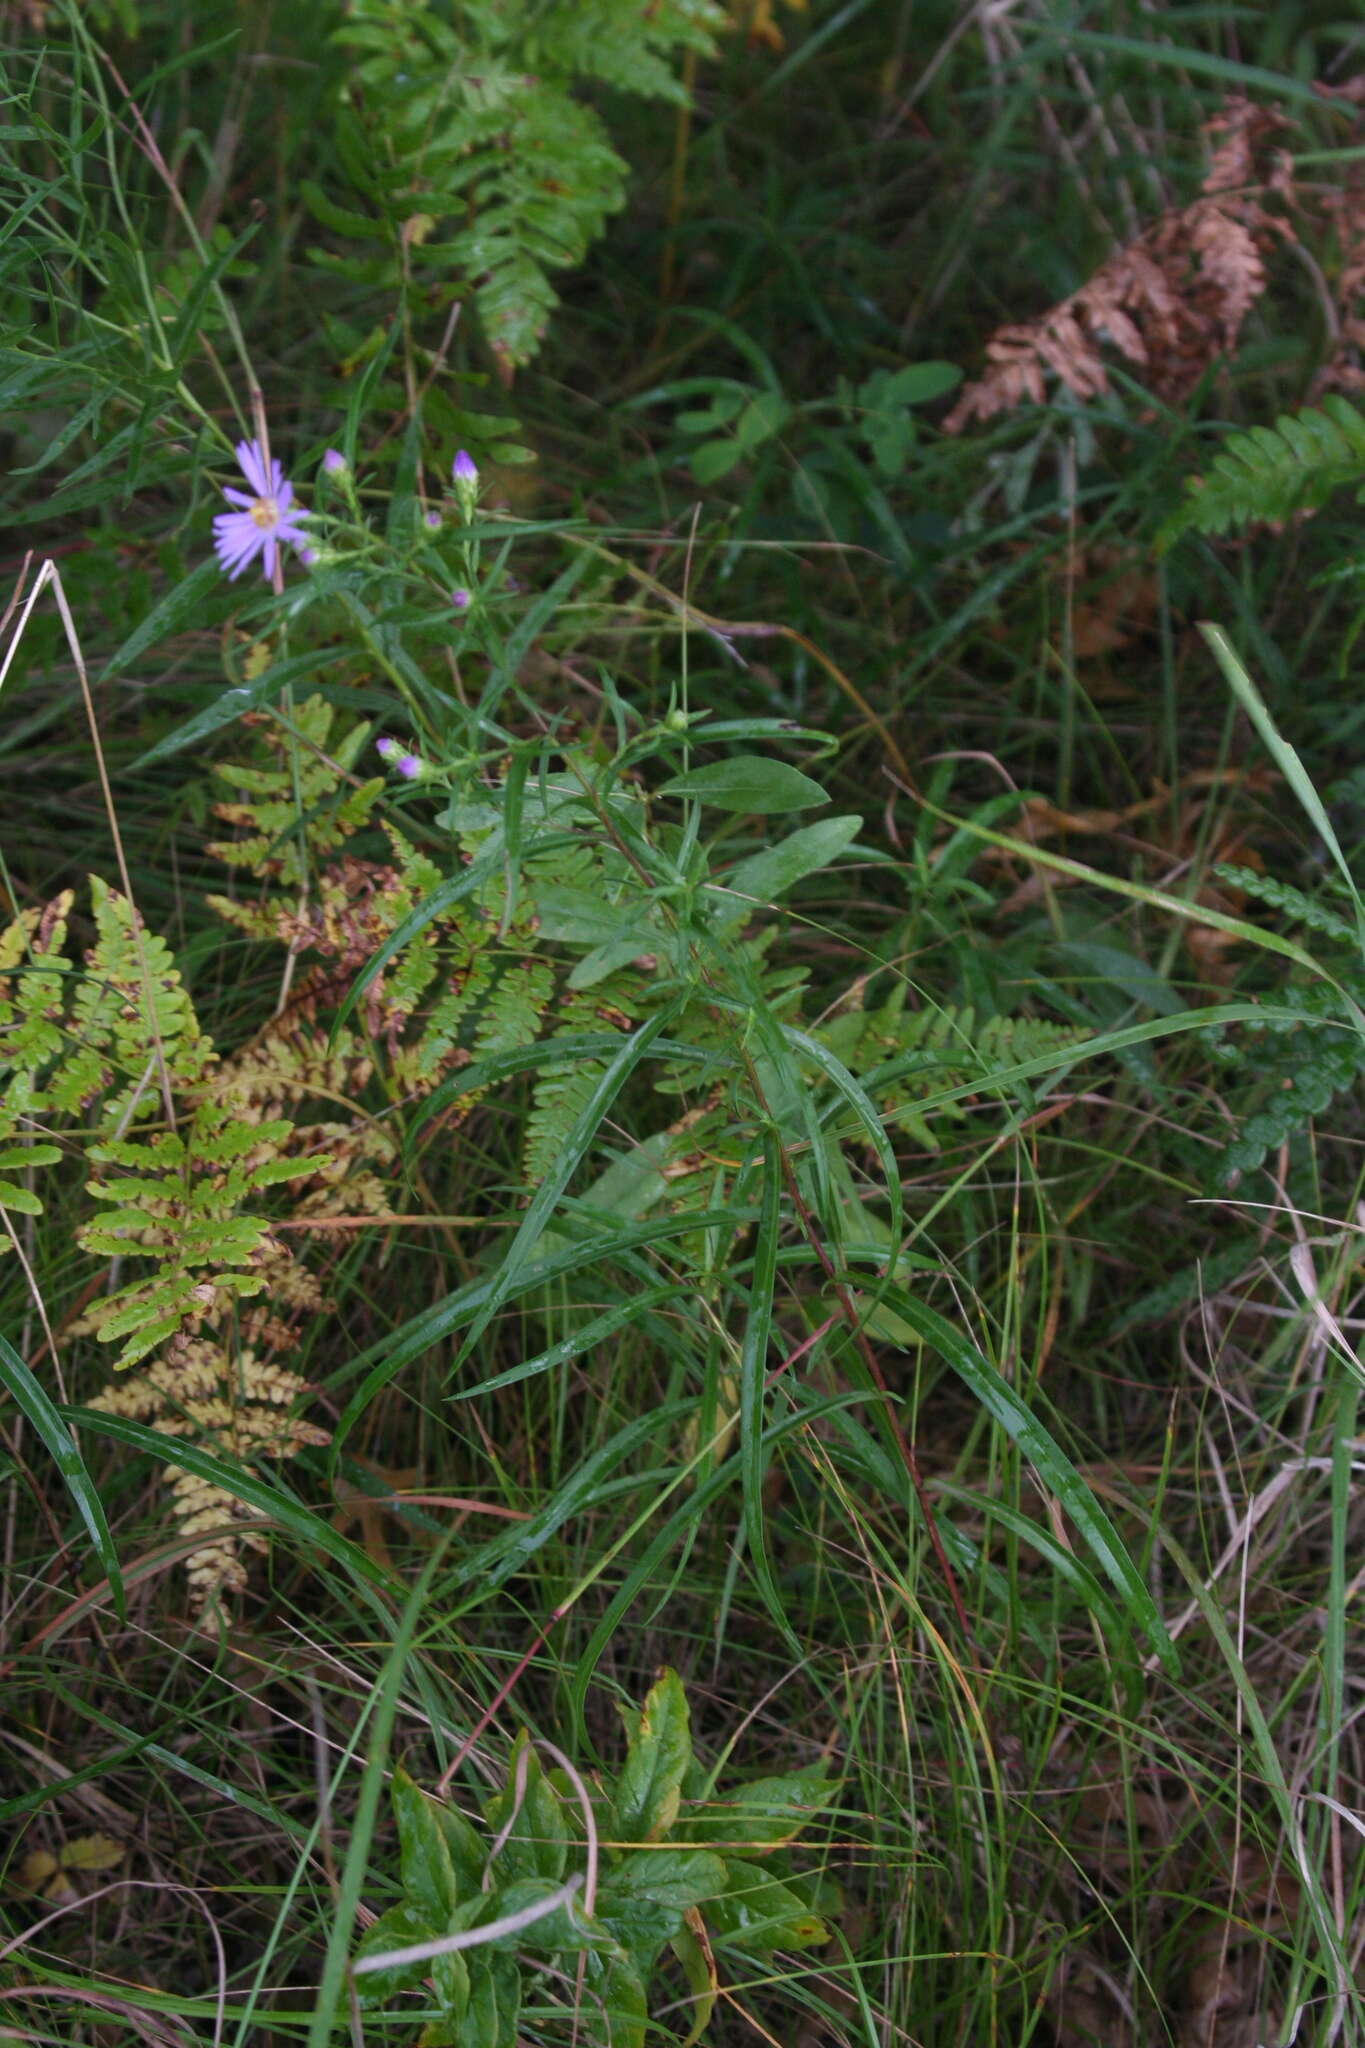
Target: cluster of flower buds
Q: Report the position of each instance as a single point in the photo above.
(411, 766)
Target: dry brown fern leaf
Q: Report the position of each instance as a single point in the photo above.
(1171, 301)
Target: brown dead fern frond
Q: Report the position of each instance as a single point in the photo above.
(1169, 302)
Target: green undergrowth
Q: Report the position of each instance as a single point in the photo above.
(679, 1135)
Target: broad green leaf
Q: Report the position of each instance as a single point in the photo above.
(30, 1398)
(615, 1980)
(761, 418)
(766, 876)
(649, 1790)
(665, 1877)
(915, 384)
(583, 917)
(641, 1927)
(643, 1899)
(490, 2019)
(427, 1873)
(467, 1852)
(400, 1927)
(713, 460)
(565, 1931)
(748, 782)
(450, 1981)
(758, 1911)
(763, 1814)
(536, 1844)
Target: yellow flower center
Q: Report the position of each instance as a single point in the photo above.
(265, 512)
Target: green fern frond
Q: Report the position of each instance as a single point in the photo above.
(296, 805)
(1273, 472)
(178, 1200)
(131, 1015)
(1284, 897)
(479, 168)
(561, 1092)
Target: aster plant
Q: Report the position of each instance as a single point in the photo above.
(265, 516)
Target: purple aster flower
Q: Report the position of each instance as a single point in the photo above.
(264, 518)
(335, 463)
(463, 469)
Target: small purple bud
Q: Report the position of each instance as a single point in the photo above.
(335, 463)
(463, 469)
(308, 556)
(433, 520)
(387, 747)
(409, 765)
(460, 600)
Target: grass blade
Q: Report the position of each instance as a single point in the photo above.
(31, 1400)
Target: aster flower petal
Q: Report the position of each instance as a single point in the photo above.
(237, 539)
(246, 499)
(250, 462)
